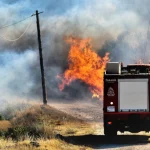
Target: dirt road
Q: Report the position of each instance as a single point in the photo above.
(92, 112)
(88, 111)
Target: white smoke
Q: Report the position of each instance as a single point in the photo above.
(123, 23)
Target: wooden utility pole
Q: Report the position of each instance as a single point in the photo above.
(41, 58)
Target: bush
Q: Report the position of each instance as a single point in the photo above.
(2, 117)
(20, 133)
(34, 133)
(2, 133)
(16, 133)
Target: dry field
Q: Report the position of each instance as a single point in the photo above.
(86, 110)
(70, 126)
(93, 114)
(51, 122)
(53, 144)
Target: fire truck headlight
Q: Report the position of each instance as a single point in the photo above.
(110, 108)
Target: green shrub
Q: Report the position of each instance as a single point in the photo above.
(20, 133)
(17, 133)
(2, 117)
(2, 133)
(32, 132)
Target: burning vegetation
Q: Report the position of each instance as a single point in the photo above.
(84, 64)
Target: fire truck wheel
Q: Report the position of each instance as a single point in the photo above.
(110, 131)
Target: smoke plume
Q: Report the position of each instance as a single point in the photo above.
(116, 26)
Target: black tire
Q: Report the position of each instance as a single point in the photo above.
(110, 131)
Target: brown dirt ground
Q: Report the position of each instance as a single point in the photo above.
(87, 111)
(93, 112)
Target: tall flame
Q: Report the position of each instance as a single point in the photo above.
(85, 65)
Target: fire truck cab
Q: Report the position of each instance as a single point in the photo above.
(126, 98)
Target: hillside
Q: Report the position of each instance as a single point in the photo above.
(39, 113)
(41, 124)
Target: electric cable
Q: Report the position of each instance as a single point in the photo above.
(13, 40)
(16, 22)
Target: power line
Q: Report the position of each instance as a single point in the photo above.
(13, 40)
(15, 22)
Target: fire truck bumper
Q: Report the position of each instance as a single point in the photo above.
(133, 122)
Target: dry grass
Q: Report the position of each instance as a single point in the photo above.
(76, 128)
(39, 114)
(51, 121)
(53, 144)
(4, 125)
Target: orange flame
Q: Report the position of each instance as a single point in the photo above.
(85, 65)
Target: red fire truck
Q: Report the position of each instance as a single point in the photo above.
(126, 98)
